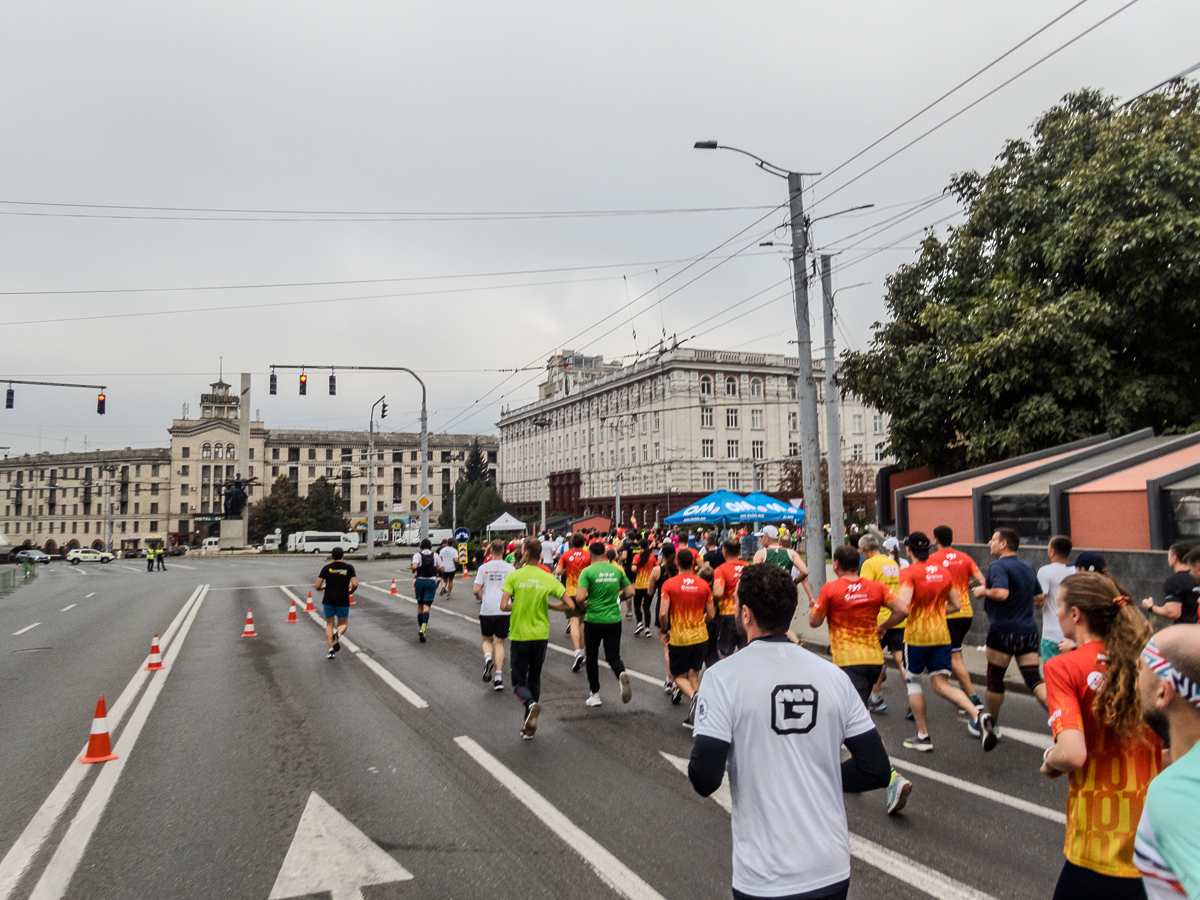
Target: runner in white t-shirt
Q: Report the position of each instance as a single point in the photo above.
(1049, 577)
(493, 621)
(549, 550)
(775, 717)
(447, 566)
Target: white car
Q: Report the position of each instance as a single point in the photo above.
(75, 557)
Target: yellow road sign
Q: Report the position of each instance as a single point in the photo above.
(424, 502)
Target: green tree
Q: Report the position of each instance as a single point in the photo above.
(283, 508)
(476, 467)
(479, 505)
(1067, 303)
(325, 507)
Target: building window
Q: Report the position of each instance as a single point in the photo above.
(731, 417)
(756, 387)
(792, 393)
(756, 419)
(733, 481)
(706, 417)
(153, 472)
(154, 512)
(793, 448)
(218, 452)
(251, 454)
(877, 423)
(706, 387)
(183, 509)
(793, 421)
(645, 453)
(656, 450)
(230, 453)
(362, 506)
(412, 506)
(183, 489)
(274, 453)
(312, 471)
(312, 452)
(707, 481)
(706, 448)
(731, 386)
(293, 454)
(362, 489)
(206, 451)
(880, 454)
(857, 420)
(185, 452)
(857, 453)
(274, 471)
(656, 421)
(758, 449)
(645, 419)
(731, 449)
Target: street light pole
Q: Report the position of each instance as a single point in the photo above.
(541, 423)
(371, 482)
(833, 436)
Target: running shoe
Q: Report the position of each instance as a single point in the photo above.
(337, 641)
(628, 615)
(498, 684)
(921, 744)
(567, 630)
(647, 634)
(592, 700)
(690, 721)
(876, 706)
(626, 687)
(578, 663)
(898, 790)
(489, 669)
(421, 633)
(531, 717)
(974, 729)
(638, 631)
(987, 728)
(330, 654)
(676, 695)
(668, 686)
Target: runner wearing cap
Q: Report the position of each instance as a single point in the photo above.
(787, 559)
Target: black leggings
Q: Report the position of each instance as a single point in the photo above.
(837, 891)
(525, 659)
(641, 606)
(1077, 883)
(610, 634)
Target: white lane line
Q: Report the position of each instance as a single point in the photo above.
(131, 568)
(30, 841)
(89, 596)
(27, 628)
(922, 877)
(1032, 738)
(1035, 809)
(56, 877)
(387, 677)
(182, 566)
(611, 870)
(65, 608)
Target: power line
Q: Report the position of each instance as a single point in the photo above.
(1186, 72)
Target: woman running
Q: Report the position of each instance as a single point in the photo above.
(659, 575)
(641, 593)
(1100, 738)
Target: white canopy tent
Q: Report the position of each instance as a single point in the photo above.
(507, 522)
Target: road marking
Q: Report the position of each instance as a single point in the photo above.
(388, 678)
(27, 628)
(611, 870)
(182, 566)
(922, 877)
(30, 841)
(1032, 738)
(1035, 809)
(56, 877)
(328, 853)
(131, 568)
(65, 608)
(92, 594)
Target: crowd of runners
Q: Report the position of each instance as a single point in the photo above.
(1121, 702)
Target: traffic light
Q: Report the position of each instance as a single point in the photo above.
(274, 384)
(303, 385)
(8, 399)
(383, 411)
(99, 404)
(332, 385)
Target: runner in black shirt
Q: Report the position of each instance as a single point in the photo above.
(1181, 588)
(339, 582)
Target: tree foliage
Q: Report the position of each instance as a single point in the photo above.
(475, 468)
(1065, 305)
(325, 507)
(479, 504)
(283, 508)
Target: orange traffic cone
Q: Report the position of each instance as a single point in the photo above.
(351, 600)
(249, 631)
(393, 592)
(292, 613)
(309, 608)
(99, 748)
(155, 657)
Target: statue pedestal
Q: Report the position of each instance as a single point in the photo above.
(233, 534)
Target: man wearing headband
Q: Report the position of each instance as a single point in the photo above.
(1167, 851)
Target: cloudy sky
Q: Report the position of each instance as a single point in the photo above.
(373, 168)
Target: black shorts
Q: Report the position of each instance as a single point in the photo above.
(446, 576)
(494, 626)
(726, 631)
(863, 678)
(958, 631)
(1013, 644)
(688, 658)
(893, 640)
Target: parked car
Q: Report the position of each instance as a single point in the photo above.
(177, 550)
(35, 556)
(75, 557)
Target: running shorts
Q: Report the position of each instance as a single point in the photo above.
(425, 589)
(576, 611)
(727, 635)
(342, 612)
(935, 660)
(494, 626)
(1012, 643)
(893, 640)
(446, 576)
(958, 631)
(686, 658)
(1049, 650)
(863, 678)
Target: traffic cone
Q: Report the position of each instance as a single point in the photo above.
(99, 748)
(155, 657)
(309, 608)
(351, 600)
(292, 613)
(393, 591)
(249, 631)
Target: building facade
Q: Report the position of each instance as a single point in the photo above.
(675, 427)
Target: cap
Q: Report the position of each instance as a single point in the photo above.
(918, 541)
(769, 531)
(1090, 561)
(891, 544)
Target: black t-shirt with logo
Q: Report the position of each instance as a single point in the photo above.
(337, 577)
(1181, 588)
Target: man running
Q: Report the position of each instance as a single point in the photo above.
(785, 558)
(526, 593)
(601, 585)
(339, 582)
(493, 621)
(685, 608)
(447, 566)
(570, 564)
(882, 568)
(725, 582)
(1049, 577)
(963, 572)
(928, 592)
(425, 570)
(852, 606)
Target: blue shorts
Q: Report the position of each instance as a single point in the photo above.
(935, 660)
(342, 612)
(426, 590)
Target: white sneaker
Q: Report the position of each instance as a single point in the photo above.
(592, 700)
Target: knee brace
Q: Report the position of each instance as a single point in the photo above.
(995, 678)
(1032, 675)
(913, 683)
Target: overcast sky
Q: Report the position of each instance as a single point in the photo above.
(385, 109)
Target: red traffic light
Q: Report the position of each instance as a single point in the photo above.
(303, 384)
(100, 404)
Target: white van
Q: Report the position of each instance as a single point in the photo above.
(271, 542)
(213, 544)
(323, 542)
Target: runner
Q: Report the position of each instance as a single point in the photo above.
(642, 566)
(713, 556)
(882, 568)
(425, 580)
(963, 571)
(549, 549)
(686, 606)
(927, 591)
(526, 593)
(1100, 738)
(1180, 590)
(339, 582)
(852, 606)
(601, 586)
(571, 564)
(447, 566)
(659, 575)
(786, 559)
(1167, 849)
(725, 582)
(1049, 577)
(493, 621)
(758, 717)
(1012, 629)
(625, 553)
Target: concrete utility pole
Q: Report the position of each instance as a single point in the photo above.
(371, 482)
(833, 433)
(617, 471)
(243, 449)
(542, 423)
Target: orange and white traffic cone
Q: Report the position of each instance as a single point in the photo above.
(393, 591)
(249, 631)
(155, 657)
(309, 608)
(351, 600)
(99, 747)
(292, 613)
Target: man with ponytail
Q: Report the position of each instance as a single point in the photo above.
(1100, 738)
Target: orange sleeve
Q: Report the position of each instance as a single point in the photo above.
(1062, 697)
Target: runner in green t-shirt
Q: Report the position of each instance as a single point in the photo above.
(601, 587)
(526, 593)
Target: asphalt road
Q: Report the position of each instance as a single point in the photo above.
(257, 768)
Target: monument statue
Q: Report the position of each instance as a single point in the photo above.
(235, 496)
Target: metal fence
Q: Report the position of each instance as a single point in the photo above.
(11, 577)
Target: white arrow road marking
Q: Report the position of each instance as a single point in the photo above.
(1053, 815)
(27, 628)
(923, 878)
(329, 854)
(611, 870)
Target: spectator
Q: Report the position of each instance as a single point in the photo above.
(1181, 589)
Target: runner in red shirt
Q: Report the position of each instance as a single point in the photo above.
(725, 582)
(685, 608)
(963, 571)
(570, 564)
